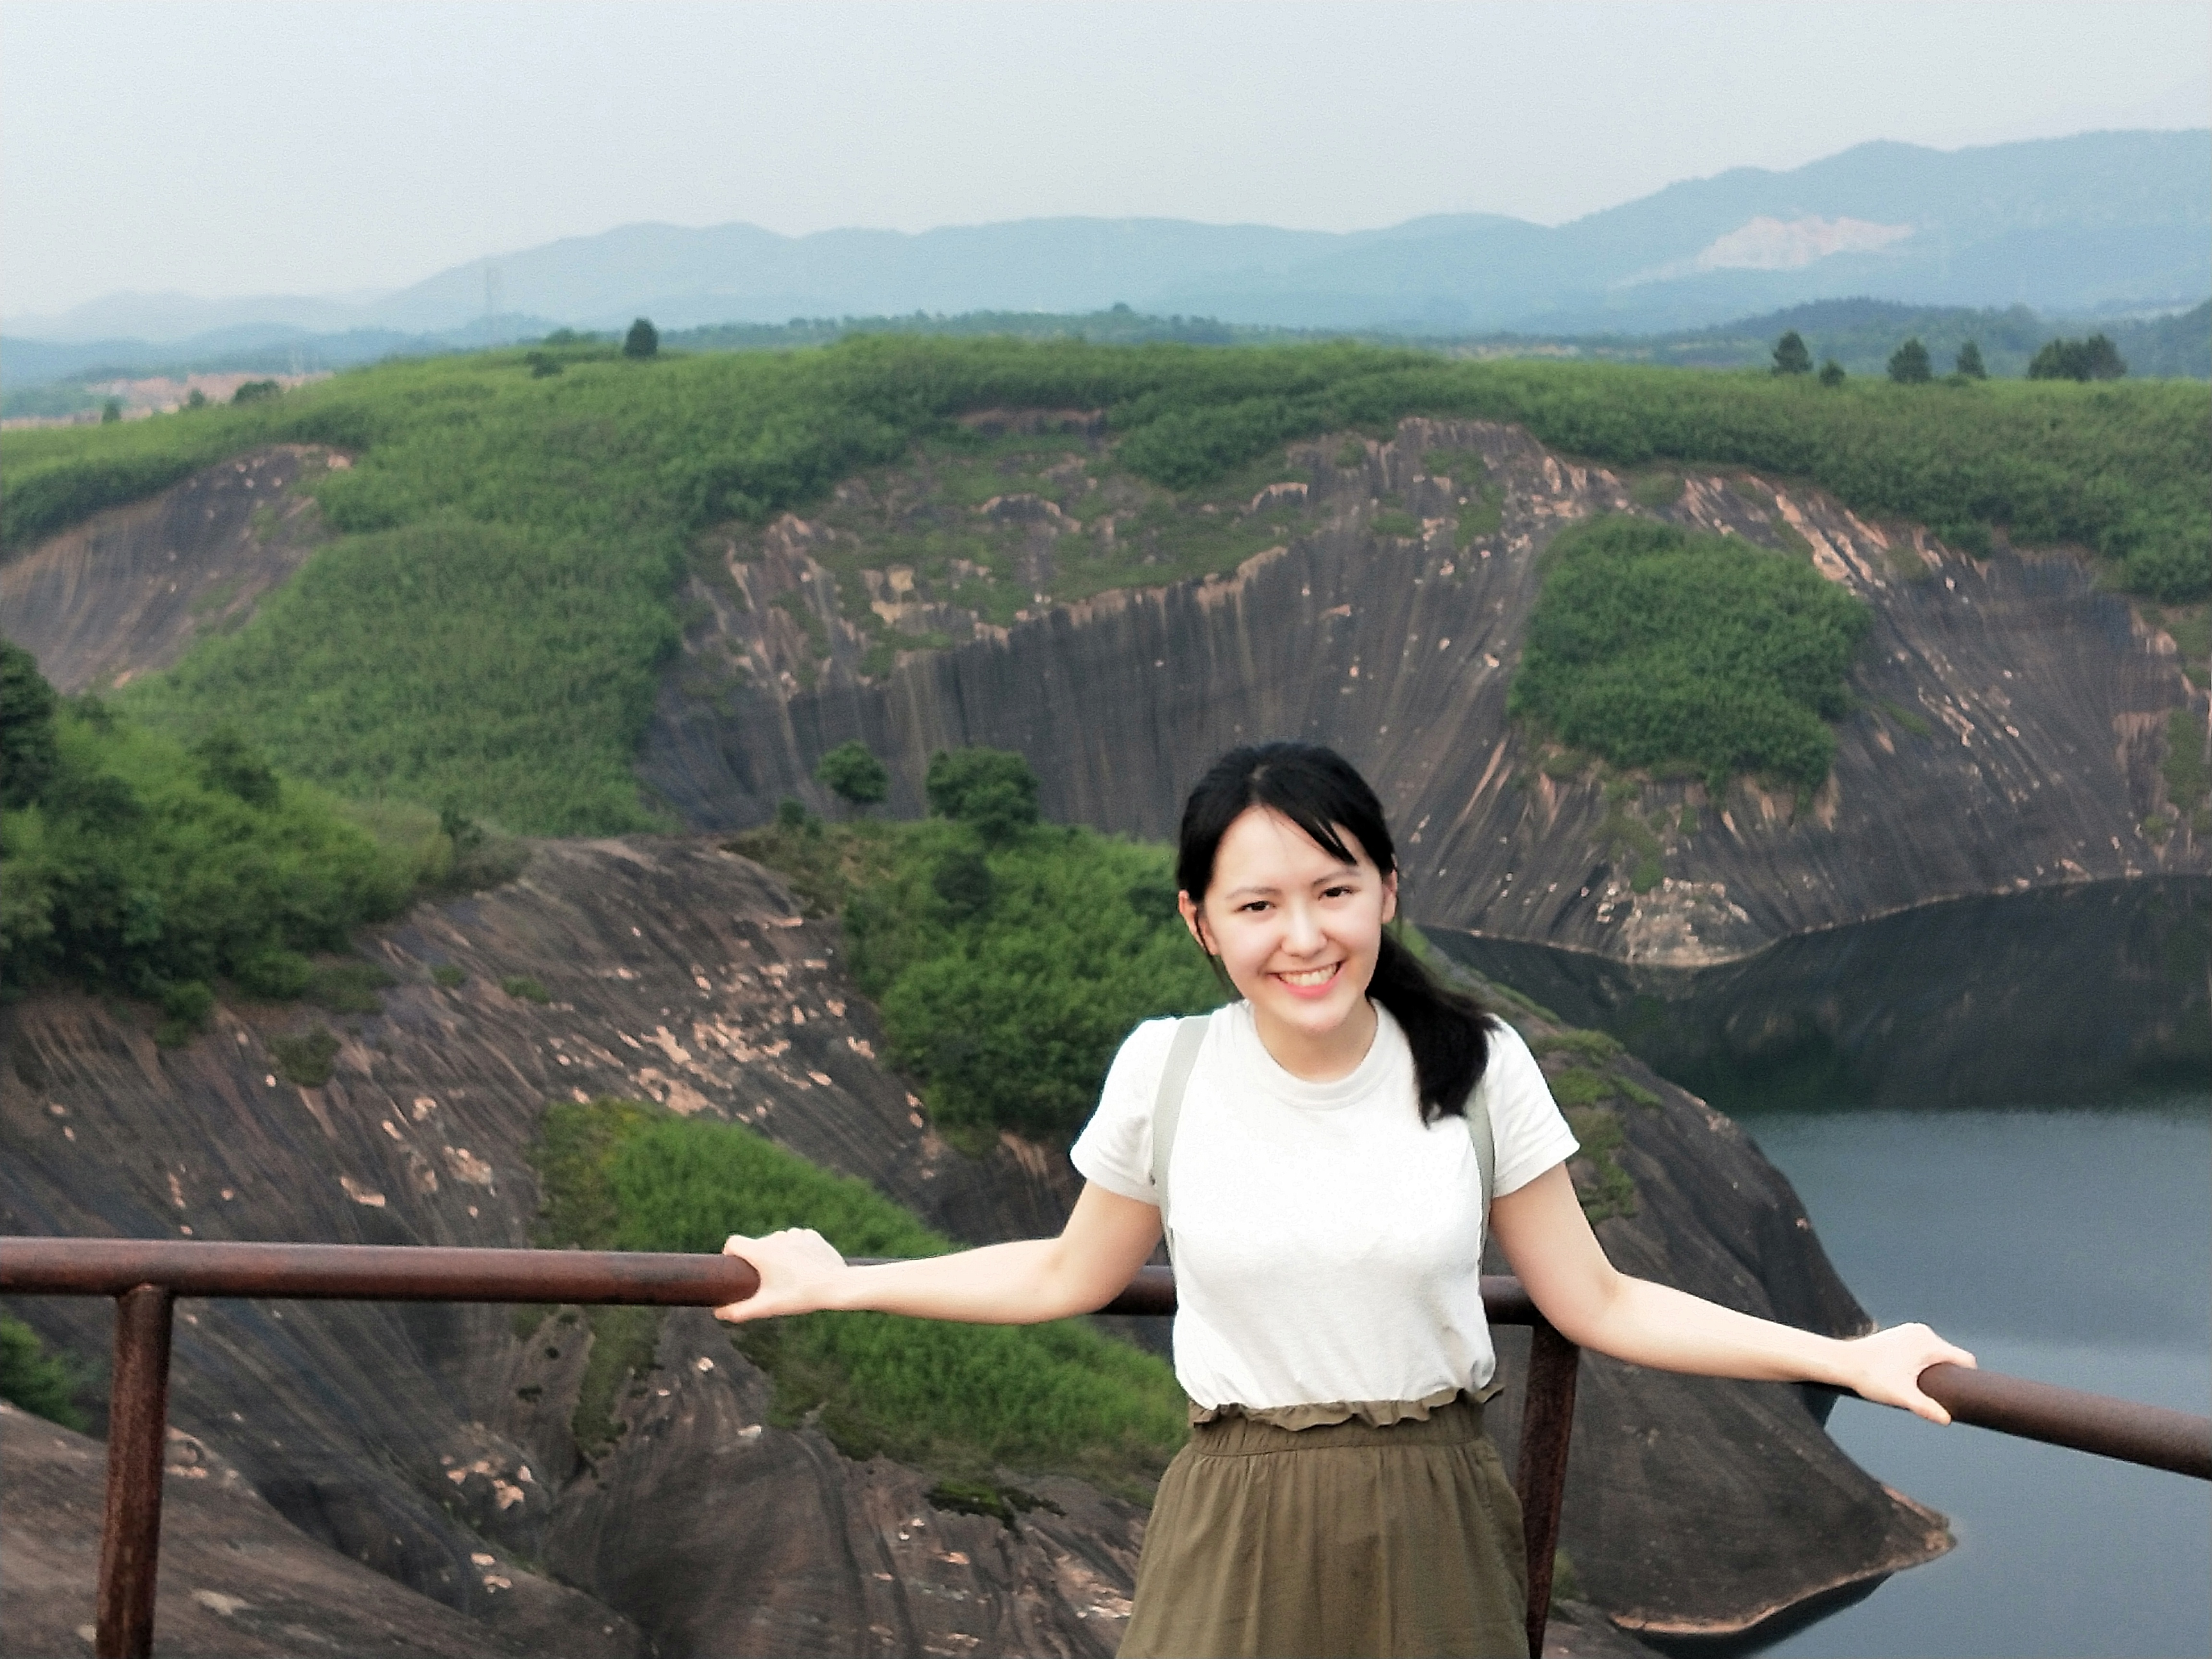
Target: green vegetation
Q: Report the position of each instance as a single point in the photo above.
(488, 630)
(1969, 363)
(523, 988)
(305, 1058)
(1606, 1189)
(42, 1383)
(1907, 720)
(1008, 971)
(130, 864)
(2093, 359)
(1656, 647)
(1909, 364)
(642, 341)
(449, 977)
(1791, 356)
(2186, 783)
(852, 774)
(1395, 521)
(960, 1401)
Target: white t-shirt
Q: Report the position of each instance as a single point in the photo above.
(1327, 1243)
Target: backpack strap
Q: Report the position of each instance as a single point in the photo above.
(1167, 1102)
(1486, 1148)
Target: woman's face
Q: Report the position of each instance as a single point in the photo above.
(1298, 929)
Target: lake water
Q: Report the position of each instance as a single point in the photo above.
(1998, 1113)
(2072, 1247)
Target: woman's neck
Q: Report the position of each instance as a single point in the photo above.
(1319, 1056)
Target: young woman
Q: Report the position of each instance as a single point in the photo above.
(1338, 1495)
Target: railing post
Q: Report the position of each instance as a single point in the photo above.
(1547, 1417)
(138, 1435)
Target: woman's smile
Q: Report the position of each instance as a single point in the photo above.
(1309, 981)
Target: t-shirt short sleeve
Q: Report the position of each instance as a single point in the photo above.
(1115, 1150)
(1525, 1121)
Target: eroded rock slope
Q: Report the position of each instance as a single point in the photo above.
(415, 1438)
(2011, 724)
(126, 592)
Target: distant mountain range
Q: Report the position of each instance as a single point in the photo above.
(2109, 223)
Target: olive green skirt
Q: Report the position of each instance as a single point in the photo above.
(1334, 1542)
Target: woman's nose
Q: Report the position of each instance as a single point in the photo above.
(1302, 933)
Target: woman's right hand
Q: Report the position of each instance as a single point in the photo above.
(798, 1271)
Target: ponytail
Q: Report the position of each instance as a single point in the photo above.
(1448, 1030)
(1318, 791)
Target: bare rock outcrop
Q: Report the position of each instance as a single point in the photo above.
(2009, 734)
(412, 1438)
(238, 1581)
(127, 591)
(409, 1438)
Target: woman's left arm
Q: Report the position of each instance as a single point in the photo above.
(1548, 1240)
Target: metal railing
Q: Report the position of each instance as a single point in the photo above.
(146, 1276)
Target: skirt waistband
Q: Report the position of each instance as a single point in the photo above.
(1230, 1432)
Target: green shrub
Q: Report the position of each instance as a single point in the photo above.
(852, 772)
(2186, 782)
(306, 1057)
(1007, 976)
(140, 868)
(992, 789)
(42, 1383)
(348, 987)
(523, 988)
(958, 1399)
(1393, 521)
(1651, 647)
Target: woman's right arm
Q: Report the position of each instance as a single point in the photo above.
(1106, 1240)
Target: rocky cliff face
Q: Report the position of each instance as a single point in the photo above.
(2011, 726)
(126, 592)
(431, 1443)
(414, 1439)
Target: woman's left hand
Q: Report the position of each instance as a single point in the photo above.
(1885, 1366)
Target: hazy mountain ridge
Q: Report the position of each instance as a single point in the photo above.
(2095, 220)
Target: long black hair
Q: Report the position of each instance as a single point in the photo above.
(1321, 792)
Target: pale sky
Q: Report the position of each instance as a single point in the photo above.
(334, 147)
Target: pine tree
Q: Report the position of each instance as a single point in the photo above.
(644, 340)
(1832, 373)
(1970, 362)
(1791, 357)
(1909, 365)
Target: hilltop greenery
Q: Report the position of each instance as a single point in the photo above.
(1009, 961)
(961, 1401)
(1656, 647)
(487, 631)
(41, 1382)
(131, 863)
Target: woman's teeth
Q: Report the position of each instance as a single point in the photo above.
(1310, 976)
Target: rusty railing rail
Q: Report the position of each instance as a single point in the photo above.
(146, 1276)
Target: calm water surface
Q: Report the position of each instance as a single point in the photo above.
(2069, 1241)
(2072, 1247)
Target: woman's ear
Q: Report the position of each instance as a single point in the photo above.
(1390, 897)
(1195, 919)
